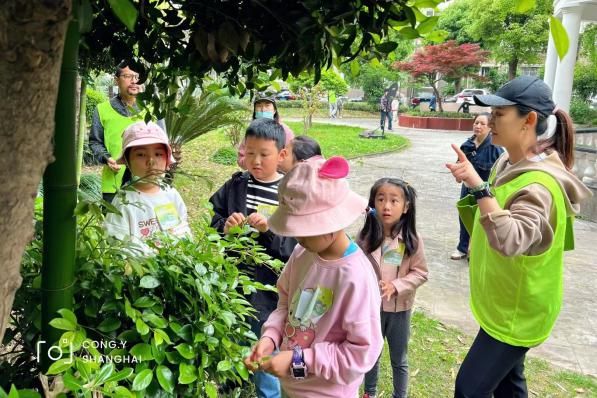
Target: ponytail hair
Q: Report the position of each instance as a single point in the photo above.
(371, 236)
(562, 140)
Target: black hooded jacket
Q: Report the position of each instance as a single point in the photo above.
(232, 198)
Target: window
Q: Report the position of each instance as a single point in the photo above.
(530, 70)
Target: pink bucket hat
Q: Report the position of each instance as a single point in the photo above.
(140, 133)
(314, 199)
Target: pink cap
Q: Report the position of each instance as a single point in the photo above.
(314, 199)
(140, 133)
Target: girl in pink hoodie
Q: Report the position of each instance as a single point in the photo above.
(326, 325)
(390, 239)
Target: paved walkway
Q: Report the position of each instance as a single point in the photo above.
(573, 343)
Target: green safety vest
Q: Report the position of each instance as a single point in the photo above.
(516, 300)
(332, 97)
(114, 125)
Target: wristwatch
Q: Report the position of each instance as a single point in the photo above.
(298, 369)
(481, 191)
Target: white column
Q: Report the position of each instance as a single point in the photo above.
(562, 90)
(551, 63)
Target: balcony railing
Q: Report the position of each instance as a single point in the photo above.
(585, 164)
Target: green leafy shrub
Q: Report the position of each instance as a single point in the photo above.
(450, 115)
(582, 113)
(94, 98)
(225, 155)
(361, 106)
(171, 324)
(298, 104)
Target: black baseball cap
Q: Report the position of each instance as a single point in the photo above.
(528, 91)
(265, 96)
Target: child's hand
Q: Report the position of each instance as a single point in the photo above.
(260, 353)
(258, 221)
(233, 220)
(463, 170)
(115, 167)
(387, 289)
(279, 365)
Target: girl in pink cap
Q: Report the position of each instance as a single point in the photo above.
(327, 324)
(148, 206)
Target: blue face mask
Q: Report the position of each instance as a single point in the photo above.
(264, 115)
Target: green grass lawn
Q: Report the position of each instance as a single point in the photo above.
(345, 140)
(346, 113)
(436, 352)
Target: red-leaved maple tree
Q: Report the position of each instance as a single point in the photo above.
(435, 62)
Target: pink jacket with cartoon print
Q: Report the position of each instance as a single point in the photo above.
(331, 309)
(406, 275)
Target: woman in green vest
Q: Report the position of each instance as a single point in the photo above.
(519, 234)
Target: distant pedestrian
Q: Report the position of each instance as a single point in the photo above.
(332, 100)
(385, 108)
(432, 103)
(339, 107)
(395, 108)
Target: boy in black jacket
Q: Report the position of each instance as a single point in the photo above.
(252, 197)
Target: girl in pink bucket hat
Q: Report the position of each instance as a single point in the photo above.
(327, 323)
(148, 206)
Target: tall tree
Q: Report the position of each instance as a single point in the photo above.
(31, 42)
(436, 62)
(511, 37)
(236, 39)
(456, 20)
(585, 74)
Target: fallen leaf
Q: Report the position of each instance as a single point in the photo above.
(580, 390)
(453, 373)
(415, 373)
(533, 392)
(460, 339)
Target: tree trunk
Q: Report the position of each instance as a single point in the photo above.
(438, 99)
(458, 86)
(512, 68)
(31, 42)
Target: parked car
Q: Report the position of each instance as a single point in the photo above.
(285, 95)
(467, 95)
(425, 97)
(450, 98)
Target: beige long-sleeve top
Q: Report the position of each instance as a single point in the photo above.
(406, 273)
(526, 224)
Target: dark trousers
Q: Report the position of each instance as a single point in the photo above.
(395, 327)
(464, 239)
(492, 368)
(382, 120)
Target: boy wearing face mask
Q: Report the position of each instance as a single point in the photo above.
(264, 107)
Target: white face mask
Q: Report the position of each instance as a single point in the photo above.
(264, 115)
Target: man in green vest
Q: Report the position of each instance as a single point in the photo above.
(109, 121)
